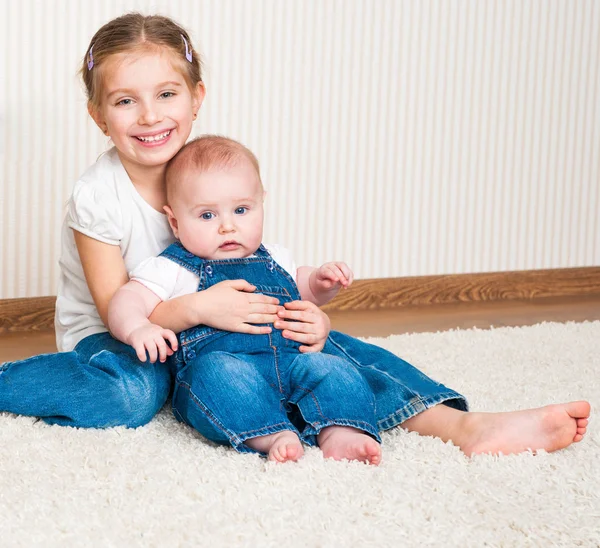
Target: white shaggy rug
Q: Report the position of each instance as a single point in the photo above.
(163, 485)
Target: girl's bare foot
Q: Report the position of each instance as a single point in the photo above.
(344, 442)
(280, 447)
(550, 428)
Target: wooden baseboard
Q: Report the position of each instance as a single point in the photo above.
(453, 288)
(37, 313)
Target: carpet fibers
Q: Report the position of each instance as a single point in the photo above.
(163, 485)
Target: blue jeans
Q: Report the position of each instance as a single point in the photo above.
(101, 383)
(235, 387)
(401, 390)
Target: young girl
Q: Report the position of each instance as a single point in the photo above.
(144, 88)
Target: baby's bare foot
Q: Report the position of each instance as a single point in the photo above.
(286, 446)
(344, 442)
(281, 446)
(550, 428)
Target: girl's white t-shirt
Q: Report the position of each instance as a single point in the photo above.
(105, 206)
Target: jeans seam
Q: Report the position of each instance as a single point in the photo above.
(343, 350)
(411, 409)
(252, 433)
(280, 388)
(314, 398)
(315, 428)
(208, 414)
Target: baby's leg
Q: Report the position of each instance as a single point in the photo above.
(280, 447)
(338, 405)
(226, 398)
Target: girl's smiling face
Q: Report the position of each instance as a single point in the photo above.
(147, 107)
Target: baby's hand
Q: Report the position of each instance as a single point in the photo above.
(153, 339)
(332, 275)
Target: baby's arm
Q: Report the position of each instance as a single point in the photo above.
(128, 314)
(320, 285)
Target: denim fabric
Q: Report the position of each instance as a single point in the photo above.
(232, 386)
(101, 383)
(401, 390)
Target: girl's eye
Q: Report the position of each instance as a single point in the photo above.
(241, 210)
(207, 215)
(167, 94)
(124, 102)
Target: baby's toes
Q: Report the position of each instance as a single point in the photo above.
(276, 454)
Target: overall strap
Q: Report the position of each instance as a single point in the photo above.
(180, 255)
(262, 251)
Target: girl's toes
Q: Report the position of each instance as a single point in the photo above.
(578, 437)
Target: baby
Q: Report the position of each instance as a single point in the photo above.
(258, 393)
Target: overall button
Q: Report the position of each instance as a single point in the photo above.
(191, 354)
(209, 270)
(271, 265)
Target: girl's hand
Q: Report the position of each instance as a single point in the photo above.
(306, 323)
(153, 339)
(232, 305)
(333, 275)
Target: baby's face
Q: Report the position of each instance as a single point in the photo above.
(218, 214)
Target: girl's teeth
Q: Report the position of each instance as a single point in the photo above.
(153, 138)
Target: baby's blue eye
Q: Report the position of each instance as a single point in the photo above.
(207, 216)
(240, 210)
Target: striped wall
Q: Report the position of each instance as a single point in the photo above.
(405, 137)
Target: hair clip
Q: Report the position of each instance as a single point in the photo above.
(91, 59)
(188, 53)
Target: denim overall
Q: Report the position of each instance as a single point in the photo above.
(235, 386)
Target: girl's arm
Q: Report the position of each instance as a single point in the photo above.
(306, 323)
(104, 270)
(231, 305)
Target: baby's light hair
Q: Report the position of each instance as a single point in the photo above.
(204, 154)
(134, 32)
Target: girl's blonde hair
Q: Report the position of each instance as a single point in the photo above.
(134, 32)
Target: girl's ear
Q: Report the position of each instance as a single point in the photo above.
(172, 220)
(198, 97)
(97, 117)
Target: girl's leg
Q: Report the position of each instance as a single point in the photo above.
(337, 405)
(406, 396)
(227, 399)
(401, 390)
(98, 385)
(550, 428)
